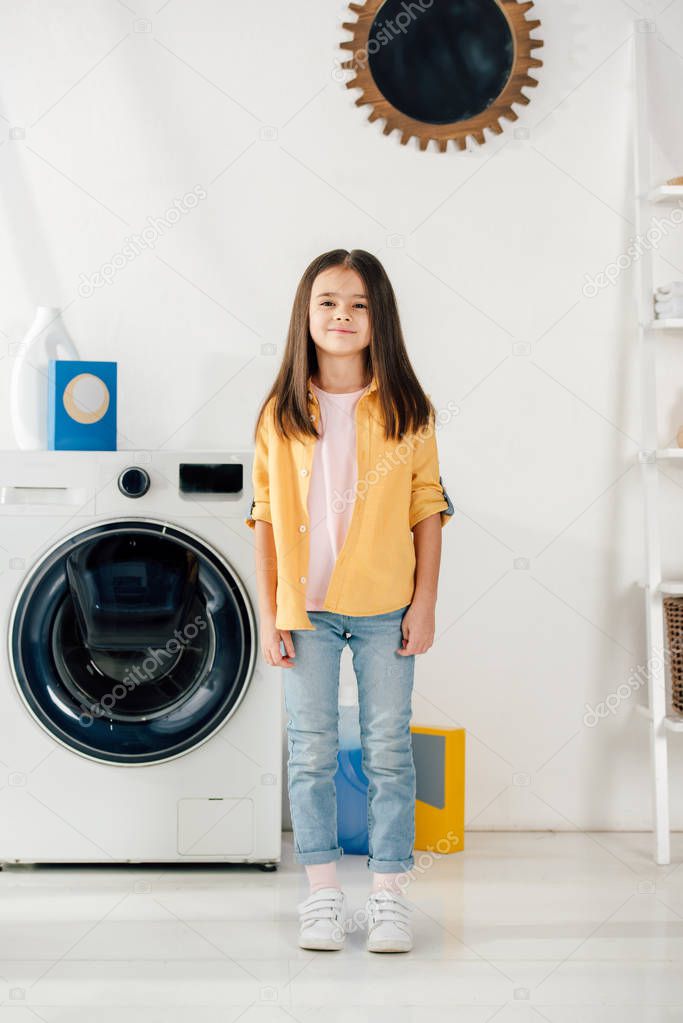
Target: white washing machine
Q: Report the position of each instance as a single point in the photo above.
(138, 721)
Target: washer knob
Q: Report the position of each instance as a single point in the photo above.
(134, 482)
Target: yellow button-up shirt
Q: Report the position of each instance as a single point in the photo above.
(398, 485)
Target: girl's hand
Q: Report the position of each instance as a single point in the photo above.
(418, 626)
(270, 645)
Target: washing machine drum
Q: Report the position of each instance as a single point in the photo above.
(132, 642)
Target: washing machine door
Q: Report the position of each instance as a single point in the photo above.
(132, 642)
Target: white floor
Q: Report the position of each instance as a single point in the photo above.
(519, 927)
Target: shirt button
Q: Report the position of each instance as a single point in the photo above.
(302, 579)
(304, 472)
(302, 528)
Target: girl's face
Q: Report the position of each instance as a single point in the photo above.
(339, 314)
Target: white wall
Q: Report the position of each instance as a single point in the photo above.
(487, 250)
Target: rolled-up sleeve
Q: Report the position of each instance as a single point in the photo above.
(260, 478)
(428, 493)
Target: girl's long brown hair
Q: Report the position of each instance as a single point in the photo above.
(405, 406)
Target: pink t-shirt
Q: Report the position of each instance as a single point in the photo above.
(331, 490)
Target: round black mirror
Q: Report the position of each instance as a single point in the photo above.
(464, 50)
(443, 69)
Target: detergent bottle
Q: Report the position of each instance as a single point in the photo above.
(349, 725)
(46, 339)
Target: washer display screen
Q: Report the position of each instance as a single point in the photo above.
(132, 642)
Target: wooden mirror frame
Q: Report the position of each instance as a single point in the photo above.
(515, 12)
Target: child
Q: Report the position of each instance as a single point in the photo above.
(348, 509)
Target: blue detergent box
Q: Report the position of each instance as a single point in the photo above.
(81, 411)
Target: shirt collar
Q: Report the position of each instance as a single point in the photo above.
(372, 386)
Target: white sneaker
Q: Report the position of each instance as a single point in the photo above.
(389, 927)
(321, 920)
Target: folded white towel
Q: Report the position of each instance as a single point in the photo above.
(672, 310)
(670, 290)
(669, 314)
(675, 315)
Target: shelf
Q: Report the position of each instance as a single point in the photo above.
(666, 193)
(671, 723)
(669, 586)
(665, 325)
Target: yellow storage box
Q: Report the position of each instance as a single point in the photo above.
(439, 755)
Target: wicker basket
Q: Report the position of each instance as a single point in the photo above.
(673, 611)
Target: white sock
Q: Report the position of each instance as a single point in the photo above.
(322, 875)
(389, 881)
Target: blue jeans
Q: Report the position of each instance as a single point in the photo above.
(385, 686)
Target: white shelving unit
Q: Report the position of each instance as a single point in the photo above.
(657, 712)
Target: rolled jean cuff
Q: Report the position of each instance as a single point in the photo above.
(310, 858)
(391, 866)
